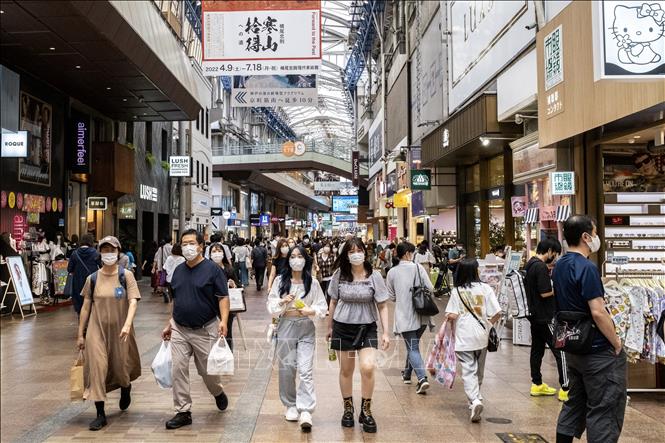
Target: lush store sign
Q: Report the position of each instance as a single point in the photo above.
(421, 179)
(81, 143)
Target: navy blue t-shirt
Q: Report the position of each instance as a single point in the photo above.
(576, 281)
(196, 293)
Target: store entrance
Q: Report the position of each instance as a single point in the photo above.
(163, 228)
(148, 234)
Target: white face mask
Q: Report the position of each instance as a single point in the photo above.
(306, 241)
(297, 263)
(326, 249)
(190, 252)
(109, 258)
(334, 249)
(594, 245)
(284, 250)
(357, 258)
(217, 257)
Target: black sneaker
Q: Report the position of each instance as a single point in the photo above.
(98, 423)
(125, 397)
(179, 420)
(407, 381)
(222, 401)
(423, 386)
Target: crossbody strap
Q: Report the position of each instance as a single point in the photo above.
(469, 309)
(81, 261)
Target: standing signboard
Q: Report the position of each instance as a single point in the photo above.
(19, 286)
(262, 37)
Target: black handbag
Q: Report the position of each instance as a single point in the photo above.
(423, 303)
(69, 290)
(573, 332)
(493, 340)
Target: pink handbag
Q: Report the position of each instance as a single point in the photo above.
(442, 361)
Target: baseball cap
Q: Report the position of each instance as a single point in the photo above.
(111, 240)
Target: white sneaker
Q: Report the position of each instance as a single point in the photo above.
(476, 410)
(291, 414)
(305, 421)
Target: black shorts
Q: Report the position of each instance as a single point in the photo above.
(350, 337)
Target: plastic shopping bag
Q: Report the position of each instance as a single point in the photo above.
(161, 366)
(220, 359)
(442, 361)
(76, 383)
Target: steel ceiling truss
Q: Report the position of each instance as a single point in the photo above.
(363, 33)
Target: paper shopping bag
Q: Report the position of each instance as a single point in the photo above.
(76, 383)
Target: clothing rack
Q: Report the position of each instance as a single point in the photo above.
(638, 275)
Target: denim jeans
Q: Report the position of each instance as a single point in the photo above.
(414, 361)
(244, 275)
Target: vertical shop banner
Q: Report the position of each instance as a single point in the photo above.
(79, 149)
(375, 144)
(355, 168)
(36, 118)
(629, 39)
(274, 90)
(262, 37)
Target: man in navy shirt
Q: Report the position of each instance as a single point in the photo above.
(200, 315)
(597, 396)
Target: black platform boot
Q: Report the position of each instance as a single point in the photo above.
(347, 417)
(365, 417)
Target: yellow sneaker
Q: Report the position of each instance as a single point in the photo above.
(563, 395)
(538, 390)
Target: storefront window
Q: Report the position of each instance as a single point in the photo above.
(496, 177)
(473, 178)
(497, 224)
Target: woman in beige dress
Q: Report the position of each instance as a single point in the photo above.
(111, 355)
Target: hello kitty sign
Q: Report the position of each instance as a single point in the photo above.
(629, 39)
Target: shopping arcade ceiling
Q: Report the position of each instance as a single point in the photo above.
(330, 123)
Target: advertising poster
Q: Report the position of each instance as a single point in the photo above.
(60, 275)
(274, 90)
(262, 37)
(518, 205)
(36, 118)
(344, 203)
(631, 39)
(638, 171)
(21, 282)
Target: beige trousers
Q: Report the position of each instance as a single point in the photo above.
(186, 342)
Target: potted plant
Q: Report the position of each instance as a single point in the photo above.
(165, 165)
(149, 158)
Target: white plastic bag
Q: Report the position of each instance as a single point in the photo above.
(161, 366)
(220, 359)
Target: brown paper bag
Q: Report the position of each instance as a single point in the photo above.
(76, 384)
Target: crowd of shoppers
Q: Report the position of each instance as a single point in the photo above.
(316, 278)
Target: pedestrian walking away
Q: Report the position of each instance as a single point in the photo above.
(106, 331)
(296, 297)
(408, 323)
(470, 306)
(200, 312)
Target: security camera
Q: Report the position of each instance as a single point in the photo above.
(531, 26)
(518, 119)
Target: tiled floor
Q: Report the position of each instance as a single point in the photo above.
(37, 353)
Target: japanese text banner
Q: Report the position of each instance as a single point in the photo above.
(263, 37)
(274, 90)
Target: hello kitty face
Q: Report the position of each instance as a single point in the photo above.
(638, 25)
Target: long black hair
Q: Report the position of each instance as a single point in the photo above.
(344, 265)
(467, 272)
(225, 260)
(285, 275)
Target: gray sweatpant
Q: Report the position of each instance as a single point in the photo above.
(597, 396)
(473, 369)
(295, 351)
(185, 343)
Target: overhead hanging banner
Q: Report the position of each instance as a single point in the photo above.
(274, 90)
(262, 37)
